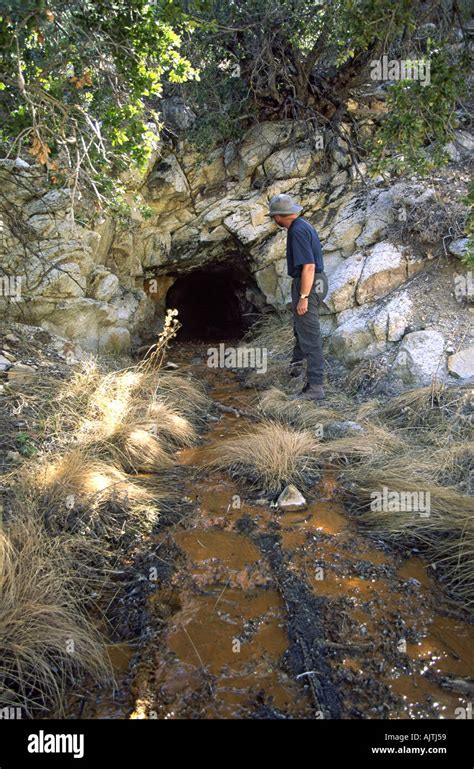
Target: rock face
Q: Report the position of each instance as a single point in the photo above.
(105, 285)
(458, 247)
(420, 358)
(58, 280)
(384, 269)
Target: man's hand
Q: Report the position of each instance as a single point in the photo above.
(302, 306)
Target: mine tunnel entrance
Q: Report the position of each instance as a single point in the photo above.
(220, 302)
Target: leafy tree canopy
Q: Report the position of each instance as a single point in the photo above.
(268, 59)
(80, 81)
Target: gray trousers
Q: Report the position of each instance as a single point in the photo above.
(308, 342)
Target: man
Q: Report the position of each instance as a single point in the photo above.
(309, 286)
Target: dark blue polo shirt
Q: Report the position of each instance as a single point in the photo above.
(302, 247)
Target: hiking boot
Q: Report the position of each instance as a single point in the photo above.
(311, 392)
(295, 368)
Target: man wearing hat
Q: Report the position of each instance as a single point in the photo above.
(309, 286)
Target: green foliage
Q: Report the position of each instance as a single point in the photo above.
(81, 82)
(357, 23)
(221, 105)
(299, 60)
(420, 116)
(26, 445)
(469, 201)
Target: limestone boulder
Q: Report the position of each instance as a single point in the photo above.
(273, 249)
(114, 340)
(421, 358)
(130, 306)
(43, 224)
(461, 363)
(289, 162)
(20, 184)
(52, 202)
(385, 268)
(155, 247)
(346, 226)
(379, 216)
(102, 284)
(80, 320)
(62, 282)
(332, 261)
(291, 499)
(205, 175)
(391, 321)
(274, 283)
(105, 229)
(167, 185)
(459, 247)
(343, 282)
(260, 142)
(353, 339)
(249, 222)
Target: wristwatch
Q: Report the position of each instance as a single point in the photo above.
(304, 296)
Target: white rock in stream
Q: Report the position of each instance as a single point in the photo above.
(291, 499)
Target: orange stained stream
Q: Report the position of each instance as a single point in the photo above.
(232, 622)
(224, 623)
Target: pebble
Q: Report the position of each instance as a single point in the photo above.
(13, 456)
(5, 363)
(291, 499)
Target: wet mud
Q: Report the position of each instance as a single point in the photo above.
(258, 614)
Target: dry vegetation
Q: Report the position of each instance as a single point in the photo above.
(74, 513)
(45, 635)
(103, 477)
(269, 457)
(420, 441)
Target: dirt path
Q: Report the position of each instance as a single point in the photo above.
(300, 615)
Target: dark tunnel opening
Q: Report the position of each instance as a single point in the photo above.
(214, 304)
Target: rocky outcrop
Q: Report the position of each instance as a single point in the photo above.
(55, 262)
(420, 358)
(105, 285)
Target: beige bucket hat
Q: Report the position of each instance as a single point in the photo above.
(283, 205)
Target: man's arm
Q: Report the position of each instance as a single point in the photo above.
(307, 278)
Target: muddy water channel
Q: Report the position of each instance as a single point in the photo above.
(294, 615)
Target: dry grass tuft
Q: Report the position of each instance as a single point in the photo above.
(87, 497)
(162, 420)
(98, 406)
(75, 513)
(275, 404)
(135, 449)
(455, 465)
(447, 531)
(45, 637)
(185, 396)
(431, 407)
(269, 457)
(275, 332)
